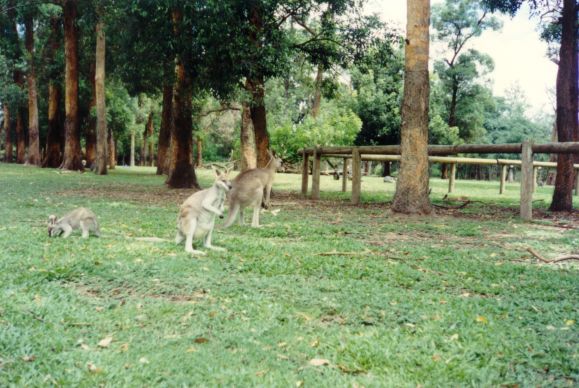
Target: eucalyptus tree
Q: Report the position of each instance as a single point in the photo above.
(562, 16)
(456, 22)
(14, 94)
(256, 44)
(30, 14)
(411, 195)
(378, 81)
(72, 157)
(52, 70)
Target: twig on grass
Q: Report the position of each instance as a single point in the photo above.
(556, 260)
(336, 253)
(464, 204)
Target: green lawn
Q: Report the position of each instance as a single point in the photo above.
(452, 299)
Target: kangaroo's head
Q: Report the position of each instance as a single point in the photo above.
(222, 178)
(274, 162)
(53, 228)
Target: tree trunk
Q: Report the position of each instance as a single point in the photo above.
(412, 186)
(132, 151)
(165, 130)
(256, 86)
(181, 171)
(386, 167)
(53, 157)
(72, 159)
(90, 135)
(55, 135)
(317, 91)
(112, 151)
(8, 149)
(33, 135)
(101, 118)
(259, 120)
(567, 95)
(20, 137)
(147, 156)
(551, 174)
(248, 157)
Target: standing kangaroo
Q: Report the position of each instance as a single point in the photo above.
(197, 214)
(247, 189)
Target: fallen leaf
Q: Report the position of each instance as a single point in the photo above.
(143, 360)
(29, 358)
(124, 347)
(191, 349)
(93, 368)
(84, 347)
(569, 322)
(482, 320)
(260, 373)
(282, 344)
(319, 362)
(315, 343)
(105, 342)
(454, 337)
(436, 358)
(299, 383)
(200, 340)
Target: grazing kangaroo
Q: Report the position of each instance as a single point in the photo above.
(247, 189)
(80, 218)
(197, 214)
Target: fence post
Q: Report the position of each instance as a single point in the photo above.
(452, 178)
(527, 181)
(345, 174)
(316, 174)
(305, 174)
(576, 182)
(356, 176)
(503, 178)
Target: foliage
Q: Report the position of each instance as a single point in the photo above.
(462, 72)
(508, 122)
(377, 80)
(448, 301)
(336, 125)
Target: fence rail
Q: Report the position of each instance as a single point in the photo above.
(392, 153)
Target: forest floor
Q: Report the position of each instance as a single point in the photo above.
(325, 294)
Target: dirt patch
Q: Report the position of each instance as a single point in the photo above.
(293, 200)
(121, 293)
(133, 193)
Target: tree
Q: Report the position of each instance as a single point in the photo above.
(378, 81)
(33, 129)
(101, 119)
(72, 158)
(55, 135)
(567, 95)
(411, 195)
(567, 88)
(181, 170)
(456, 23)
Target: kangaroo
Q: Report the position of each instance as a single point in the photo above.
(248, 188)
(197, 214)
(81, 218)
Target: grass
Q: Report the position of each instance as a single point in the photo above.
(452, 299)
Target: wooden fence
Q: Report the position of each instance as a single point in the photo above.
(392, 153)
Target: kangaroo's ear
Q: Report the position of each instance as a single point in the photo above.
(51, 219)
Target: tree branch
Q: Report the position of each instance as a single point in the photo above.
(556, 260)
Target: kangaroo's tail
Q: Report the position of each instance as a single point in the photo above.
(232, 214)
